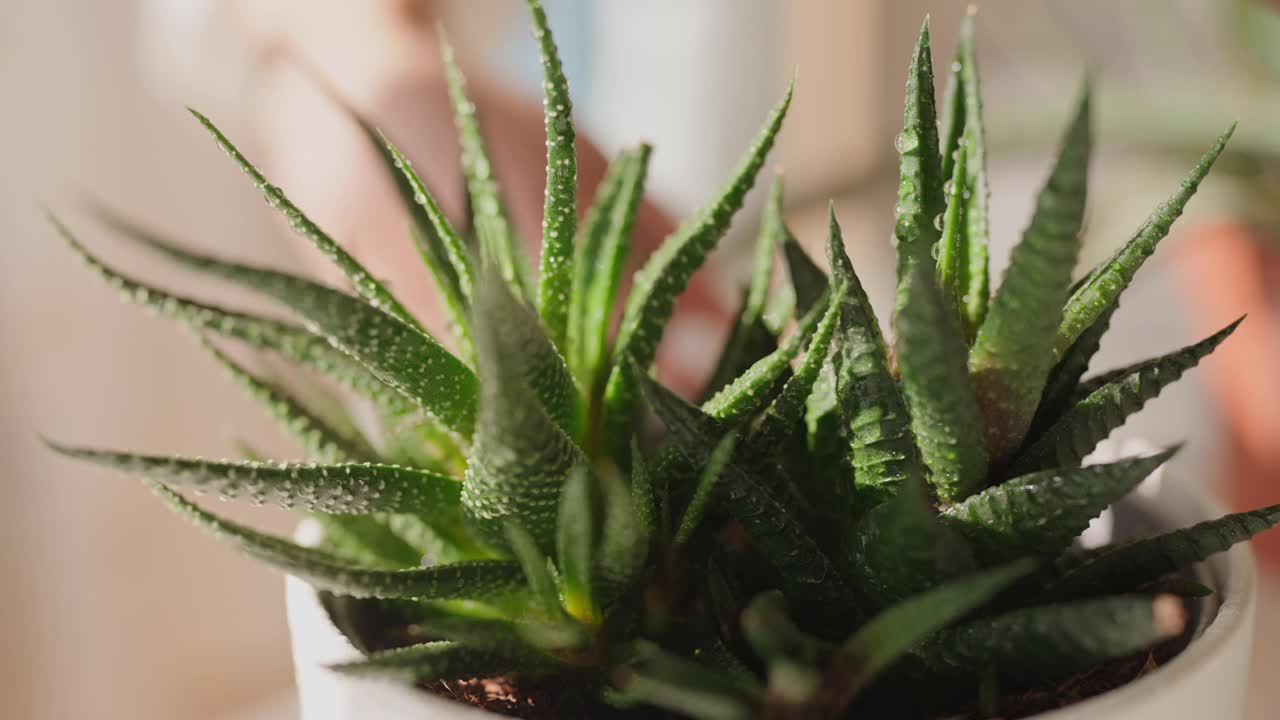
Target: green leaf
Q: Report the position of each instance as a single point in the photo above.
(505, 637)
(1044, 511)
(624, 541)
(810, 579)
(497, 240)
(1126, 567)
(365, 283)
(400, 356)
(951, 266)
(707, 478)
(1064, 380)
(1106, 283)
(684, 686)
(474, 580)
(535, 565)
(320, 439)
(945, 416)
(643, 496)
(882, 448)
(920, 196)
(1036, 645)
(749, 338)
(576, 538)
(367, 541)
(895, 631)
(667, 272)
(808, 280)
(560, 211)
(751, 391)
(1011, 356)
(290, 341)
(792, 656)
(1079, 430)
(975, 278)
(520, 456)
(788, 407)
(603, 249)
(342, 488)
(428, 662)
(900, 548)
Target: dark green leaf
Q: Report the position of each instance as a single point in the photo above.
(945, 417)
(1106, 283)
(707, 479)
(1079, 430)
(666, 274)
(808, 280)
(953, 256)
(1126, 567)
(1011, 356)
(428, 662)
(1064, 380)
(1042, 512)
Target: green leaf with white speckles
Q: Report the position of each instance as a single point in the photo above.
(952, 246)
(707, 478)
(603, 250)
(882, 448)
(473, 580)
(365, 283)
(560, 211)
(920, 197)
(751, 391)
(400, 356)
(945, 417)
(1044, 511)
(520, 455)
(1064, 380)
(788, 407)
(1087, 423)
(1012, 354)
(1105, 284)
(666, 275)
(341, 488)
(497, 238)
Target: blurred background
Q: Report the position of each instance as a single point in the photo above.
(113, 609)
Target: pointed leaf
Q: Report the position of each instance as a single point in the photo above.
(534, 563)
(576, 538)
(945, 416)
(367, 541)
(429, 662)
(682, 686)
(920, 197)
(1044, 644)
(895, 631)
(976, 278)
(602, 254)
(520, 456)
(667, 272)
(365, 284)
(953, 251)
(882, 448)
(1011, 356)
(788, 407)
(1092, 419)
(624, 541)
(1063, 386)
(560, 211)
(497, 240)
(807, 279)
(707, 479)
(1106, 283)
(475, 580)
(1126, 567)
(1044, 511)
(748, 343)
(751, 391)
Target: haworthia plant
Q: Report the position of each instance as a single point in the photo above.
(838, 515)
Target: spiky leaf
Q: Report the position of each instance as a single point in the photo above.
(945, 416)
(1044, 644)
(683, 686)
(807, 279)
(542, 584)
(1042, 512)
(952, 250)
(428, 662)
(1126, 567)
(497, 240)
(560, 210)
(707, 479)
(1011, 356)
(882, 449)
(624, 539)
(576, 538)
(667, 272)
(365, 283)
(1079, 430)
(1064, 380)
(1105, 284)
(920, 197)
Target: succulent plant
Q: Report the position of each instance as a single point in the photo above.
(839, 516)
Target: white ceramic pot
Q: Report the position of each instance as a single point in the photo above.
(1206, 680)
